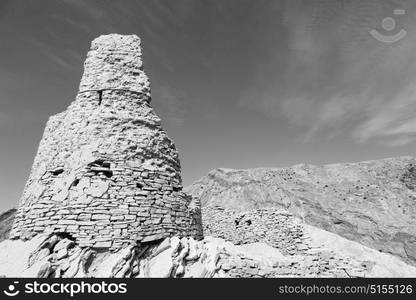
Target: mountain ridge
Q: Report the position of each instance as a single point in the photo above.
(372, 202)
(6, 221)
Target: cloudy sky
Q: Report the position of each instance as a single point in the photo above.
(238, 84)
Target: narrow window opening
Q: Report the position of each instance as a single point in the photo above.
(102, 166)
(100, 97)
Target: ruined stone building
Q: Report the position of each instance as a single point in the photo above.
(106, 173)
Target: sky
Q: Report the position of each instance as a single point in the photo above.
(237, 83)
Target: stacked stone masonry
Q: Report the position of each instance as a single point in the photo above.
(275, 227)
(283, 231)
(105, 172)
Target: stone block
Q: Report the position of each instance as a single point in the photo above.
(100, 217)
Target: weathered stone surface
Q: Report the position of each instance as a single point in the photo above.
(105, 199)
(275, 227)
(197, 270)
(41, 269)
(6, 222)
(15, 255)
(63, 244)
(115, 62)
(370, 202)
(114, 264)
(161, 265)
(329, 256)
(105, 172)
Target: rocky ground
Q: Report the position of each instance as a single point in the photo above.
(298, 250)
(6, 222)
(373, 202)
(51, 255)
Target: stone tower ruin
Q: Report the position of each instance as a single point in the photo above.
(105, 172)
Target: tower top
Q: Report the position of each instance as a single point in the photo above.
(114, 62)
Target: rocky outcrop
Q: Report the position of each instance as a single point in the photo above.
(304, 250)
(276, 227)
(105, 172)
(323, 255)
(57, 256)
(256, 243)
(6, 221)
(371, 202)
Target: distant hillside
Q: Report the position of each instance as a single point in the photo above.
(6, 221)
(372, 202)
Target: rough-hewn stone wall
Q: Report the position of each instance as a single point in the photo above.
(301, 256)
(371, 202)
(105, 171)
(275, 227)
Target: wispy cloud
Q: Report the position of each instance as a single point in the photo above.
(89, 7)
(171, 104)
(4, 118)
(3, 6)
(400, 141)
(393, 118)
(81, 26)
(335, 79)
(99, 13)
(56, 56)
